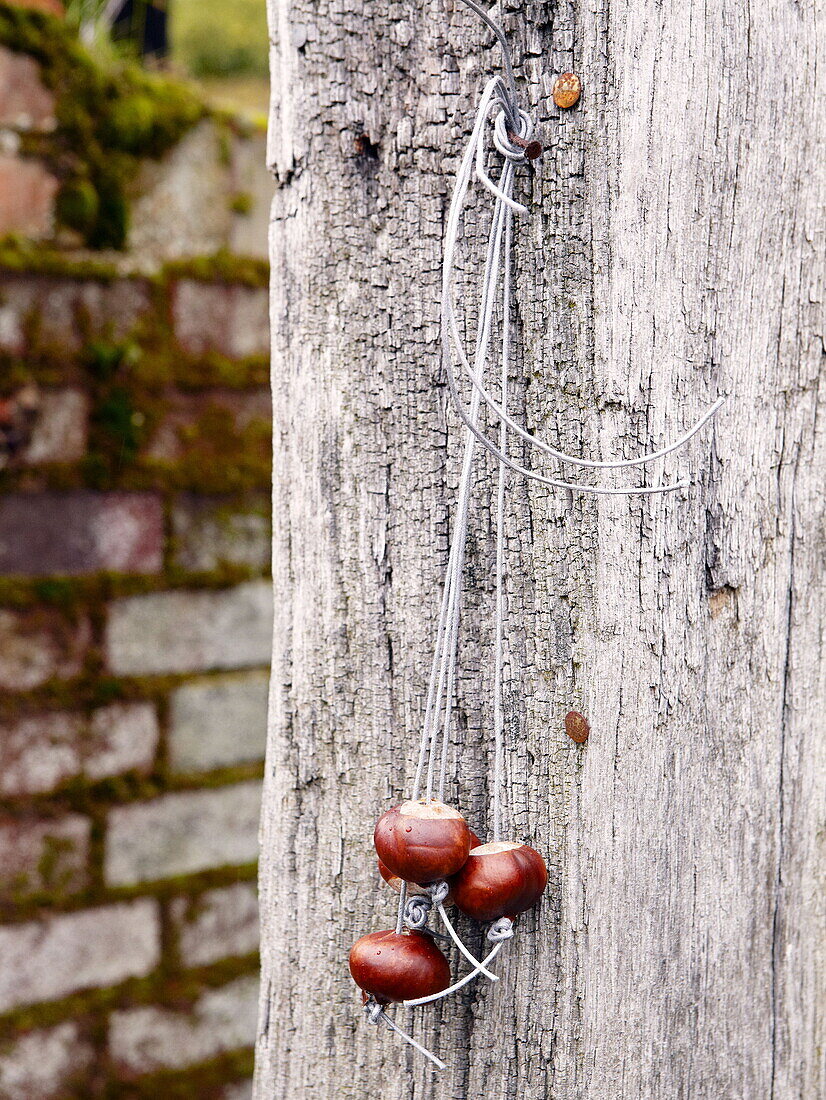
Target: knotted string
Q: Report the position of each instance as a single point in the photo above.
(417, 913)
(417, 909)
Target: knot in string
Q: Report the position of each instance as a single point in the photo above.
(500, 930)
(417, 909)
(373, 1011)
(438, 892)
(503, 135)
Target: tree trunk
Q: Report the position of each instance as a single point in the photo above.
(674, 251)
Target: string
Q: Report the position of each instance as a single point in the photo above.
(376, 1014)
(486, 307)
(454, 564)
(456, 985)
(441, 683)
(498, 713)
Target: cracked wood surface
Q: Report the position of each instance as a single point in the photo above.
(674, 251)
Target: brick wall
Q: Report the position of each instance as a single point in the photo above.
(135, 619)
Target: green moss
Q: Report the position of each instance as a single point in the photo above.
(30, 258)
(51, 867)
(71, 594)
(241, 203)
(77, 205)
(222, 267)
(161, 988)
(55, 591)
(207, 1081)
(218, 457)
(107, 119)
(204, 372)
(130, 122)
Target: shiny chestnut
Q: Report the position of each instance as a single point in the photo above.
(396, 883)
(422, 841)
(413, 888)
(500, 879)
(398, 966)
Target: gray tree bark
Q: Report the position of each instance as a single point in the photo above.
(674, 251)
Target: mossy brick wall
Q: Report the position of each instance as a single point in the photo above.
(135, 621)
(117, 158)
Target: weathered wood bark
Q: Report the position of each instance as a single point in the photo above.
(674, 250)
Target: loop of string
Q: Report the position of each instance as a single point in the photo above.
(456, 985)
(500, 930)
(417, 911)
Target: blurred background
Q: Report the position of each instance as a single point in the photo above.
(135, 599)
(223, 46)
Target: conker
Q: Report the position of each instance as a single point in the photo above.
(500, 879)
(398, 966)
(414, 888)
(396, 883)
(422, 841)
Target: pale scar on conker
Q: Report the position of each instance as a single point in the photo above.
(567, 90)
(576, 726)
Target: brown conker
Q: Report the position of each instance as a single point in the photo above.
(500, 879)
(414, 888)
(422, 841)
(398, 966)
(396, 883)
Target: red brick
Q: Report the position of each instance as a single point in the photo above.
(80, 532)
(39, 645)
(27, 193)
(25, 102)
(232, 320)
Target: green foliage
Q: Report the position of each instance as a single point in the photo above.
(107, 118)
(77, 205)
(214, 38)
(115, 426)
(103, 360)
